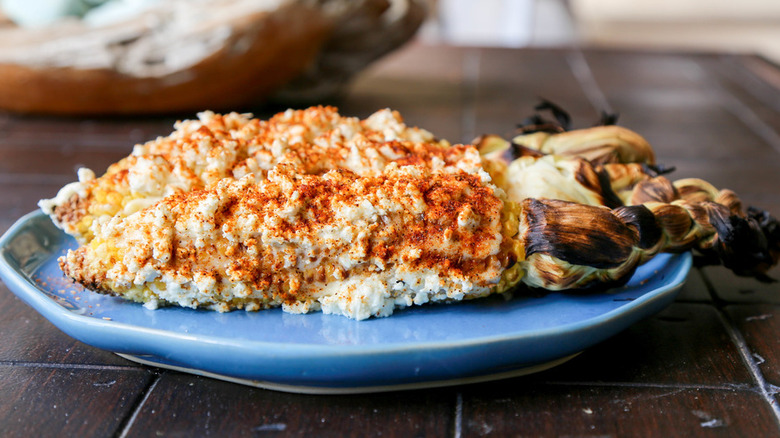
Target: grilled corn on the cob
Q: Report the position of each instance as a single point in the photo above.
(311, 210)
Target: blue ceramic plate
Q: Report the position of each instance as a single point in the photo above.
(423, 346)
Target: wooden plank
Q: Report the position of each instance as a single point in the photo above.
(21, 195)
(767, 72)
(755, 85)
(677, 104)
(188, 405)
(423, 83)
(17, 160)
(759, 325)
(39, 401)
(511, 83)
(516, 409)
(686, 344)
(732, 289)
(29, 338)
(105, 133)
(694, 289)
(754, 180)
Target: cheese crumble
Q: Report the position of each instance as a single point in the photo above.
(309, 211)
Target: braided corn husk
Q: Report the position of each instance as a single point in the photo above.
(599, 144)
(589, 224)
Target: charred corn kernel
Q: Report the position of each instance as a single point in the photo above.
(229, 250)
(333, 273)
(510, 278)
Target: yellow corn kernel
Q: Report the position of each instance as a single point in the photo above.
(114, 198)
(99, 195)
(104, 209)
(84, 223)
(333, 273)
(510, 278)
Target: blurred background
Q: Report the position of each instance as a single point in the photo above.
(746, 26)
(157, 56)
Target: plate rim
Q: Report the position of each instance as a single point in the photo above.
(350, 390)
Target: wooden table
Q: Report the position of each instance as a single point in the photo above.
(709, 365)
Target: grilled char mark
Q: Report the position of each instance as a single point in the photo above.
(75, 270)
(517, 150)
(658, 189)
(587, 176)
(749, 245)
(657, 169)
(610, 198)
(607, 119)
(72, 211)
(578, 234)
(770, 227)
(597, 180)
(642, 220)
(537, 123)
